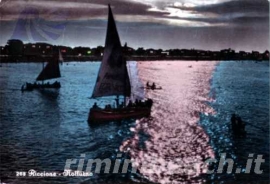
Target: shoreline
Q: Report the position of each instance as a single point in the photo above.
(138, 59)
(95, 58)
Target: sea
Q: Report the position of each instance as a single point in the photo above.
(189, 124)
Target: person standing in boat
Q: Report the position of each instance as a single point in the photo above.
(117, 102)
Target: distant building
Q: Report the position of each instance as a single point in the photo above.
(30, 49)
(227, 54)
(3, 51)
(140, 51)
(215, 54)
(165, 53)
(151, 52)
(266, 55)
(128, 51)
(66, 51)
(37, 49)
(255, 55)
(98, 51)
(242, 53)
(175, 52)
(203, 53)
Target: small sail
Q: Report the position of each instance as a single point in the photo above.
(50, 71)
(113, 76)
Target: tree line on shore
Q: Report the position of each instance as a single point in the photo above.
(17, 51)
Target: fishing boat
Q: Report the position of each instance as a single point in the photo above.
(152, 87)
(50, 71)
(113, 80)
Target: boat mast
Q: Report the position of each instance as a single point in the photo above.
(42, 70)
(125, 83)
(125, 90)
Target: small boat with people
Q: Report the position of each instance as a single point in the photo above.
(31, 86)
(113, 80)
(153, 86)
(238, 126)
(120, 112)
(50, 71)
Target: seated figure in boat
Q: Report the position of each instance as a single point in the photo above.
(147, 84)
(137, 104)
(153, 86)
(122, 105)
(95, 106)
(108, 106)
(130, 104)
(29, 86)
(56, 84)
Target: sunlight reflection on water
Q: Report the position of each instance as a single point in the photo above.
(177, 146)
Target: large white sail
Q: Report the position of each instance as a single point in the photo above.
(113, 76)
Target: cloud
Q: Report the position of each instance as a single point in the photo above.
(235, 13)
(237, 6)
(171, 12)
(11, 10)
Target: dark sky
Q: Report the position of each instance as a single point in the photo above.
(199, 24)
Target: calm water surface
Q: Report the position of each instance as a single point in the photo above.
(189, 123)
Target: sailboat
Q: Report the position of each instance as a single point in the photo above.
(50, 71)
(113, 80)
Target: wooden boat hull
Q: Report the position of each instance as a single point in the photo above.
(105, 115)
(150, 88)
(31, 87)
(159, 88)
